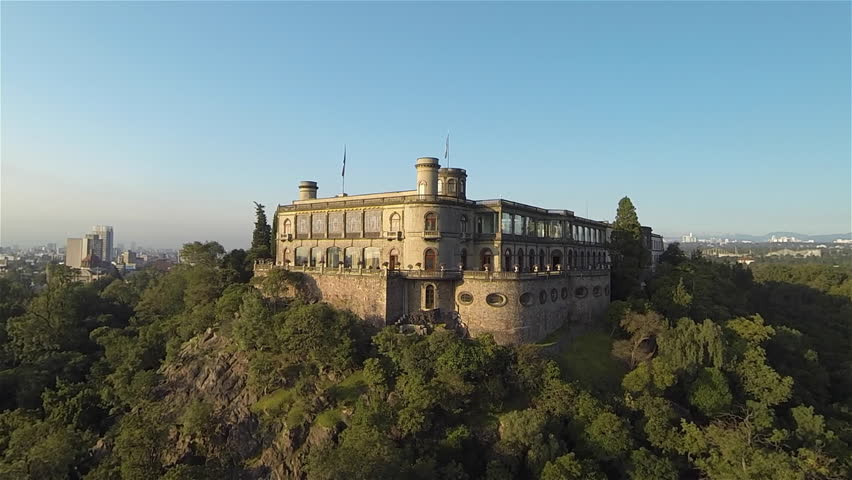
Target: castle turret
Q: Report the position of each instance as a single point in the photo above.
(307, 190)
(427, 175)
(452, 182)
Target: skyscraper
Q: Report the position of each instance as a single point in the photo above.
(105, 234)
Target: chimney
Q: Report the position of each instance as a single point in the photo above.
(307, 190)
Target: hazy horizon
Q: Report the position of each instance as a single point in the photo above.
(167, 120)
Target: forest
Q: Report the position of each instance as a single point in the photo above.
(703, 370)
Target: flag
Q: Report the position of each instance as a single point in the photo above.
(343, 172)
(447, 149)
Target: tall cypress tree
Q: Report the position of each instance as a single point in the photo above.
(628, 257)
(261, 240)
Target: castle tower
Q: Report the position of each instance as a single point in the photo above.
(427, 175)
(452, 182)
(308, 190)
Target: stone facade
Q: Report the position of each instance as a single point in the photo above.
(388, 254)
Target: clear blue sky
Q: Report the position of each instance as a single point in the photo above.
(167, 120)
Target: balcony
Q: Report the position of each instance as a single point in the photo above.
(431, 235)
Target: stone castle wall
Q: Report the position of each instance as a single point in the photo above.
(531, 309)
(363, 295)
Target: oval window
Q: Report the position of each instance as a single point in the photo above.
(527, 299)
(542, 297)
(496, 299)
(596, 291)
(564, 293)
(554, 295)
(581, 292)
(465, 298)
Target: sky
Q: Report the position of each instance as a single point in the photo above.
(167, 120)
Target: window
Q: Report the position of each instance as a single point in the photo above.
(507, 223)
(287, 228)
(541, 260)
(463, 259)
(461, 186)
(463, 224)
(429, 297)
(485, 258)
(596, 291)
(316, 256)
(440, 187)
(451, 186)
(465, 298)
(496, 299)
(581, 292)
(526, 299)
(507, 261)
(332, 256)
(555, 258)
(531, 227)
(421, 188)
(485, 223)
(431, 222)
(372, 257)
(541, 228)
(350, 257)
(430, 259)
(394, 223)
(532, 259)
(393, 260)
(542, 297)
(570, 258)
(302, 256)
(555, 229)
(520, 259)
(518, 228)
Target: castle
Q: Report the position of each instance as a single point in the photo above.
(513, 270)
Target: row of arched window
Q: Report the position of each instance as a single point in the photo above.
(333, 257)
(527, 261)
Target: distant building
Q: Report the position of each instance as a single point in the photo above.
(74, 252)
(786, 252)
(106, 236)
(688, 239)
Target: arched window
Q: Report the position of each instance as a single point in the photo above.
(463, 224)
(440, 187)
(571, 258)
(372, 257)
(332, 257)
(394, 223)
(541, 260)
(393, 260)
(451, 186)
(520, 259)
(555, 258)
(302, 256)
(532, 259)
(421, 188)
(430, 259)
(485, 258)
(463, 259)
(350, 257)
(287, 228)
(317, 256)
(507, 261)
(430, 223)
(429, 297)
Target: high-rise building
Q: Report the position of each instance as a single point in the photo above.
(74, 252)
(105, 234)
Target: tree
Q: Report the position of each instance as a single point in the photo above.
(261, 239)
(673, 255)
(626, 221)
(197, 253)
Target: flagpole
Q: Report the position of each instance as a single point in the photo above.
(343, 174)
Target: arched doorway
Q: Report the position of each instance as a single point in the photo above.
(430, 259)
(485, 259)
(556, 259)
(541, 260)
(463, 259)
(393, 259)
(429, 297)
(507, 261)
(520, 259)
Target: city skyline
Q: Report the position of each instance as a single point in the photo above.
(711, 117)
